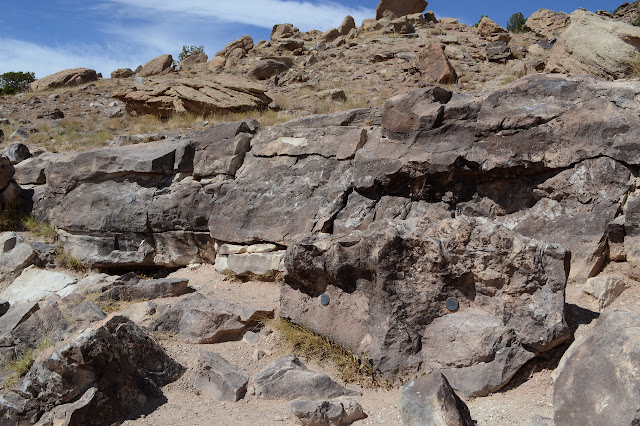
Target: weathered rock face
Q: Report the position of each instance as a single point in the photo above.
(337, 411)
(595, 45)
(396, 276)
(547, 23)
(245, 43)
(392, 9)
(193, 60)
(122, 361)
(156, 66)
(124, 206)
(489, 29)
(71, 77)
(167, 96)
(267, 68)
(604, 367)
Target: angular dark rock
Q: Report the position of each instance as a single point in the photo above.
(124, 363)
(148, 289)
(430, 400)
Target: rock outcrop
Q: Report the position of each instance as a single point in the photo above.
(596, 45)
(70, 77)
(215, 94)
(392, 9)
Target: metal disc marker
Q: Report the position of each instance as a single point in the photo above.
(324, 299)
(452, 304)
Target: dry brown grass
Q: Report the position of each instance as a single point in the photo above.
(304, 342)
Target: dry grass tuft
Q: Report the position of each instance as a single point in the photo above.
(304, 342)
(21, 365)
(39, 228)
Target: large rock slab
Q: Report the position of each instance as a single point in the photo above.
(429, 400)
(156, 65)
(391, 282)
(288, 378)
(604, 368)
(435, 66)
(197, 319)
(595, 45)
(124, 363)
(165, 96)
(70, 77)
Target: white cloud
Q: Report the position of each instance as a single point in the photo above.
(306, 15)
(18, 55)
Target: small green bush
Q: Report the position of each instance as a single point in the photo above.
(13, 82)
(516, 23)
(39, 228)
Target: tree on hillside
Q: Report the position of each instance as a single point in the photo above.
(15, 81)
(516, 23)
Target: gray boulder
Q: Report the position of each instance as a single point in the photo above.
(429, 400)
(288, 378)
(148, 289)
(219, 378)
(597, 380)
(35, 284)
(337, 411)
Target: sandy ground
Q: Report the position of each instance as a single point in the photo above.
(529, 395)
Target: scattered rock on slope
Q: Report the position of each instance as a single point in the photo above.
(547, 23)
(156, 66)
(435, 66)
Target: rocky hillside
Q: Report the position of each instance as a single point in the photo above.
(450, 209)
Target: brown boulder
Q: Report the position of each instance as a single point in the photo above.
(245, 43)
(194, 59)
(547, 23)
(70, 77)
(156, 66)
(392, 9)
(122, 73)
(490, 30)
(435, 66)
(283, 31)
(347, 25)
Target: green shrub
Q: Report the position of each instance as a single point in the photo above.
(189, 50)
(516, 23)
(13, 82)
(38, 228)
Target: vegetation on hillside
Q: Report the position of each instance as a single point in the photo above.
(13, 82)
(516, 23)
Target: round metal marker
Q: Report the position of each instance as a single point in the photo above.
(325, 299)
(452, 304)
(129, 200)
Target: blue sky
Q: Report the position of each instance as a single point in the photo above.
(45, 36)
